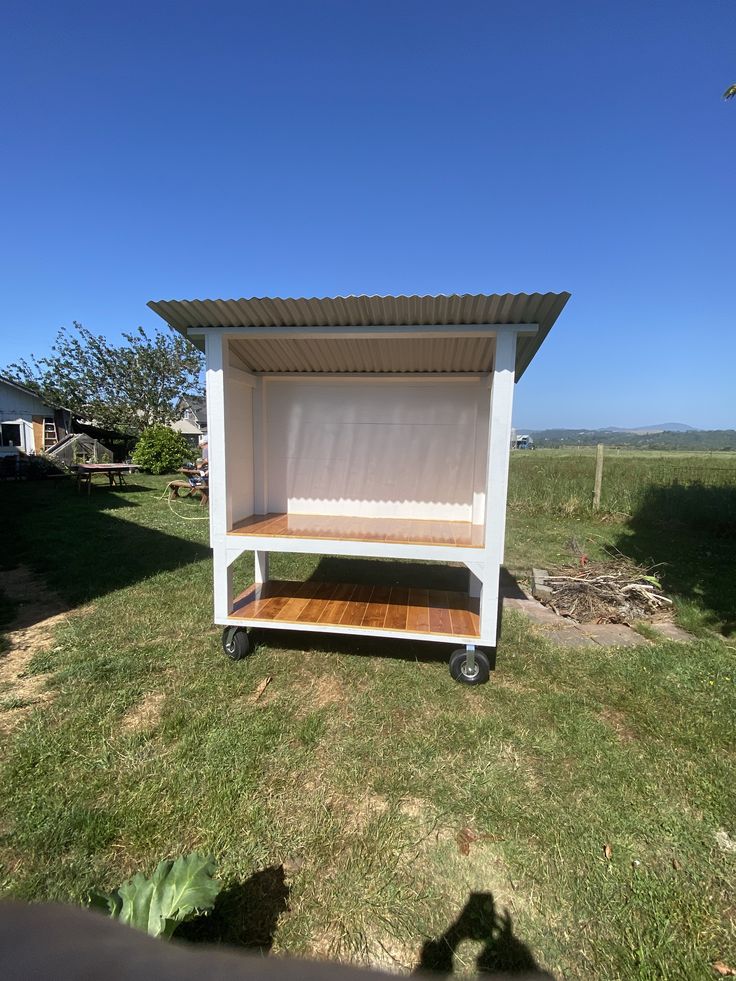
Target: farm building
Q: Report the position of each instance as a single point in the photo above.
(27, 424)
(363, 426)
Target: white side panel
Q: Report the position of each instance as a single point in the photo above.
(239, 445)
(388, 449)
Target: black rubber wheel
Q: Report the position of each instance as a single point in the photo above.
(459, 668)
(235, 642)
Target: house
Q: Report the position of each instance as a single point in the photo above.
(192, 423)
(27, 424)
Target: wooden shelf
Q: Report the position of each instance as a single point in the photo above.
(406, 531)
(379, 609)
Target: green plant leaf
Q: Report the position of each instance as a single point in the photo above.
(109, 903)
(176, 890)
(652, 580)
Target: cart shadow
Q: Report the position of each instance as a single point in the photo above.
(245, 914)
(503, 954)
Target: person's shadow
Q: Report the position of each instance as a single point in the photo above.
(502, 953)
(246, 914)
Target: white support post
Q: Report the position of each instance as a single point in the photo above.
(260, 560)
(217, 368)
(260, 484)
(223, 584)
(497, 479)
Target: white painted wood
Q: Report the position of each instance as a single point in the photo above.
(239, 462)
(260, 457)
(347, 333)
(260, 560)
(360, 445)
(238, 544)
(499, 446)
(216, 427)
(372, 377)
(223, 583)
(339, 628)
(239, 373)
(385, 451)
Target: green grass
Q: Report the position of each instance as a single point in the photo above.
(341, 803)
(674, 510)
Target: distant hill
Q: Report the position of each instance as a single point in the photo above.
(661, 427)
(646, 438)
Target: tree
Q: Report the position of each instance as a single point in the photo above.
(161, 450)
(125, 387)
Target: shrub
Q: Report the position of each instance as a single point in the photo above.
(161, 450)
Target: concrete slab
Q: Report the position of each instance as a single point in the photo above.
(672, 632)
(540, 589)
(612, 634)
(567, 635)
(533, 609)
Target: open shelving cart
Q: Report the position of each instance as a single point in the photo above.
(377, 427)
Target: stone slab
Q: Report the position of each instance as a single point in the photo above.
(672, 632)
(612, 634)
(531, 608)
(568, 635)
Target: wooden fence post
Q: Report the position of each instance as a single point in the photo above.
(598, 477)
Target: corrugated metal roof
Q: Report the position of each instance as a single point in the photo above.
(383, 353)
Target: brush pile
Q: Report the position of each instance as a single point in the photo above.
(616, 592)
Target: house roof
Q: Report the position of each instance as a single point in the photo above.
(369, 333)
(197, 405)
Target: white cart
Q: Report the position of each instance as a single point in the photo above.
(377, 427)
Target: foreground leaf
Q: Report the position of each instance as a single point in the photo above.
(176, 890)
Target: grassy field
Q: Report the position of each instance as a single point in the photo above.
(366, 808)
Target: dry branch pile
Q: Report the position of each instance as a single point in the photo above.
(612, 593)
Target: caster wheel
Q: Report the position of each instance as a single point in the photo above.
(235, 642)
(478, 674)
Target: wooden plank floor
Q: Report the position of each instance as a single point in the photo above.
(397, 608)
(404, 531)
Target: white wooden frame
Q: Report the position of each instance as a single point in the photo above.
(484, 564)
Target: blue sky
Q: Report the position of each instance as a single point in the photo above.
(176, 150)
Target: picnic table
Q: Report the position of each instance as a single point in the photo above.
(86, 471)
(177, 486)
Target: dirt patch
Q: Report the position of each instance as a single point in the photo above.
(617, 721)
(325, 690)
(40, 612)
(362, 810)
(145, 715)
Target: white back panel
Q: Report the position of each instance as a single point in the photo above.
(374, 448)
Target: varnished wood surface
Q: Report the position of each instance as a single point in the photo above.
(429, 611)
(404, 531)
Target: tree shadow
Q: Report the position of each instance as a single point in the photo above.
(502, 953)
(245, 914)
(77, 545)
(689, 532)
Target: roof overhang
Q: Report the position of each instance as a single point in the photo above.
(443, 334)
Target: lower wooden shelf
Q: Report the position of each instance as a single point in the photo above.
(354, 608)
